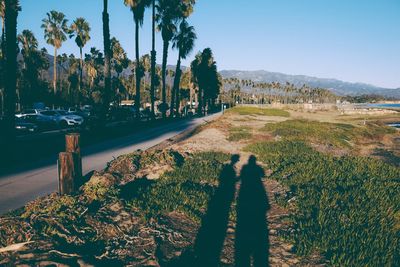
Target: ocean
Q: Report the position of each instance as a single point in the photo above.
(396, 106)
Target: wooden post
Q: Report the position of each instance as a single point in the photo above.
(67, 167)
(73, 145)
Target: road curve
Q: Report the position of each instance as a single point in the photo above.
(20, 187)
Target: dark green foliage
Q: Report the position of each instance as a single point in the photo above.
(348, 208)
(187, 188)
(206, 77)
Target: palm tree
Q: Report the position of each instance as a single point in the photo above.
(55, 29)
(206, 77)
(81, 30)
(119, 59)
(167, 15)
(2, 15)
(184, 42)
(137, 7)
(107, 54)
(169, 12)
(28, 41)
(153, 58)
(2, 56)
(11, 13)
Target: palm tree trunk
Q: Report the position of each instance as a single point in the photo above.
(164, 85)
(3, 48)
(153, 60)
(176, 84)
(200, 102)
(173, 90)
(138, 78)
(107, 54)
(81, 70)
(55, 71)
(3, 53)
(11, 13)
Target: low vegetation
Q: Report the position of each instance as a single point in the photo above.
(347, 208)
(186, 188)
(239, 133)
(260, 111)
(337, 134)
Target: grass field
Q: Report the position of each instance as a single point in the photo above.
(239, 133)
(348, 208)
(337, 134)
(259, 111)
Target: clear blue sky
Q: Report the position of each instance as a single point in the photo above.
(352, 40)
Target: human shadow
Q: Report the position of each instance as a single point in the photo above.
(251, 240)
(212, 232)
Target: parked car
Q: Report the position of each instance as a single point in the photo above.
(43, 122)
(63, 118)
(28, 112)
(23, 127)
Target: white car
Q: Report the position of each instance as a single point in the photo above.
(28, 112)
(63, 118)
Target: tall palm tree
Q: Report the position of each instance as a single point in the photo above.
(2, 15)
(2, 50)
(28, 41)
(11, 13)
(153, 58)
(167, 15)
(184, 42)
(107, 54)
(55, 30)
(137, 7)
(81, 30)
(170, 12)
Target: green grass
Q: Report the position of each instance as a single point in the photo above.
(259, 111)
(337, 134)
(187, 188)
(347, 208)
(239, 133)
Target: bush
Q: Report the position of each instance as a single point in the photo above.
(348, 208)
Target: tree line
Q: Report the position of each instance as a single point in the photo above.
(237, 91)
(104, 76)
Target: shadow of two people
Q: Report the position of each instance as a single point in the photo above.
(251, 236)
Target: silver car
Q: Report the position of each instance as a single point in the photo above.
(63, 118)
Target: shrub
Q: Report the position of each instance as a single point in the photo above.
(348, 208)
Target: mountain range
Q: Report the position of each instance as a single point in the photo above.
(336, 86)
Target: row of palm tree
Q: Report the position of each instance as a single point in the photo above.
(56, 31)
(169, 17)
(248, 91)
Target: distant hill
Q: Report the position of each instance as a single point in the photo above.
(336, 86)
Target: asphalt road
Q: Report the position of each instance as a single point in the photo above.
(29, 182)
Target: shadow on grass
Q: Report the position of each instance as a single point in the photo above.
(251, 241)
